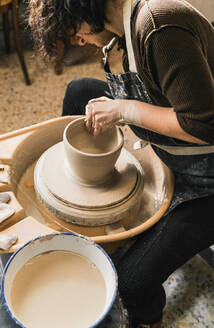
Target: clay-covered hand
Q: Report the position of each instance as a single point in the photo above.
(103, 112)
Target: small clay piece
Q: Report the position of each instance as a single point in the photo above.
(4, 197)
(5, 211)
(6, 241)
(2, 167)
(3, 180)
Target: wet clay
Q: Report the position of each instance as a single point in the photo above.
(4, 197)
(6, 241)
(58, 289)
(81, 139)
(6, 211)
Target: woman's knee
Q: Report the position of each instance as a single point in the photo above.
(76, 97)
(79, 92)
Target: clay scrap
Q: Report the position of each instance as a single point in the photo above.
(4, 174)
(6, 241)
(4, 197)
(5, 211)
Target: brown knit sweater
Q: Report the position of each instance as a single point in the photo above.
(174, 52)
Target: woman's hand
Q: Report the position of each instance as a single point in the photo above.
(103, 112)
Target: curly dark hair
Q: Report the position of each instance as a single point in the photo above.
(50, 20)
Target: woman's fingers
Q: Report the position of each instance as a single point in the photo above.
(97, 130)
(92, 122)
(88, 119)
(101, 113)
(93, 100)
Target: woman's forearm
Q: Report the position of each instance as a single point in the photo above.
(162, 120)
(103, 112)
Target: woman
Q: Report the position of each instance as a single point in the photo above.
(167, 96)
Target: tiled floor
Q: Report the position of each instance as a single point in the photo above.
(190, 292)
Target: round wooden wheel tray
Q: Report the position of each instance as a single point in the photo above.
(19, 153)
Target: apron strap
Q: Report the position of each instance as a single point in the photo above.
(108, 48)
(179, 150)
(127, 5)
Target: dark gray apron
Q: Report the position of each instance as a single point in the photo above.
(192, 164)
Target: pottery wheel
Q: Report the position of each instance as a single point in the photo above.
(73, 201)
(55, 173)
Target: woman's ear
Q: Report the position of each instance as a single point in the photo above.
(82, 42)
(76, 40)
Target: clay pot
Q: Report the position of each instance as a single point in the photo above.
(91, 159)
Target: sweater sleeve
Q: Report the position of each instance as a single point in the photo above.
(177, 63)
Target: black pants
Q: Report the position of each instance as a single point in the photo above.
(159, 251)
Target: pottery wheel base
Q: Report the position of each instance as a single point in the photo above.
(87, 205)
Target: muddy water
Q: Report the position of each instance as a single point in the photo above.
(82, 140)
(58, 289)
